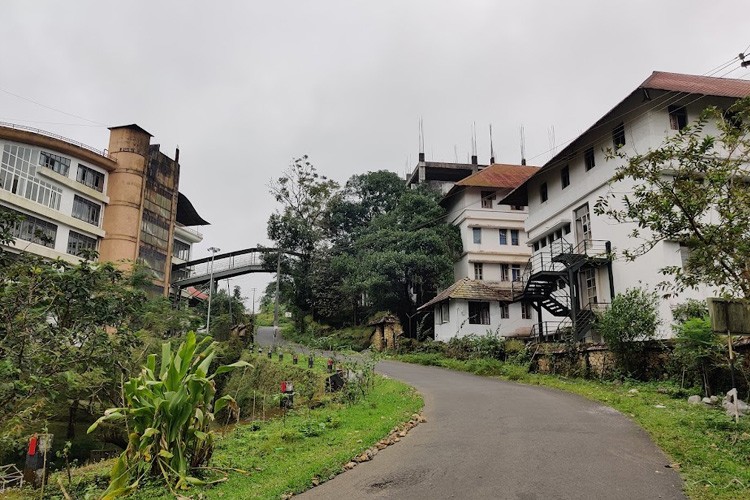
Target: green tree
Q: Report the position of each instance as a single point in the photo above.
(626, 326)
(299, 225)
(693, 190)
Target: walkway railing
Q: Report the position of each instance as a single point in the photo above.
(45, 133)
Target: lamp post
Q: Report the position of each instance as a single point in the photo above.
(213, 251)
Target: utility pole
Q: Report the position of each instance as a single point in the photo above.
(276, 304)
(253, 301)
(213, 251)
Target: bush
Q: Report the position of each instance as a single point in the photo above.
(698, 351)
(169, 412)
(626, 326)
(476, 346)
(689, 309)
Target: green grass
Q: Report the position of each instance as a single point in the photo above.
(712, 452)
(283, 456)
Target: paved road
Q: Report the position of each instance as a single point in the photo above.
(486, 438)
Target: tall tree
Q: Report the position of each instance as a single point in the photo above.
(693, 190)
(298, 226)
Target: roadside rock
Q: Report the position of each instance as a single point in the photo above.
(694, 400)
(350, 465)
(706, 401)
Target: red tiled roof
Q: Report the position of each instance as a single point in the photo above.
(696, 84)
(472, 289)
(500, 176)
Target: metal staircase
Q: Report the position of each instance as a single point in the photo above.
(549, 279)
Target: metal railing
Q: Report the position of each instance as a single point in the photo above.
(45, 133)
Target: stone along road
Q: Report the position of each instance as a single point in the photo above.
(486, 438)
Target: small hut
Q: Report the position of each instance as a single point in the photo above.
(387, 331)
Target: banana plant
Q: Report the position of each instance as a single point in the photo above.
(168, 412)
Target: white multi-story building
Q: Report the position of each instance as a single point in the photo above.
(494, 255)
(571, 272)
(122, 203)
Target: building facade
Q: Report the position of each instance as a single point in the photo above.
(574, 268)
(494, 255)
(122, 202)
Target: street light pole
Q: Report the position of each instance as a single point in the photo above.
(213, 251)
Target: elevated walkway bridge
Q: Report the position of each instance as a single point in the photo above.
(225, 265)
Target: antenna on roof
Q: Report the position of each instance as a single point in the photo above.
(455, 152)
(523, 146)
(492, 148)
(474, 160)
(551, 139)
(421, 140)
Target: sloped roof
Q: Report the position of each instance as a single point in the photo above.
(187, 215)
(499, 175)
(472, 290)
(659, 80)
(697, 84)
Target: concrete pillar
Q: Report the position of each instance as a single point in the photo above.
(129, 146)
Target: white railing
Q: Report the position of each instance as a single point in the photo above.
(45, 133)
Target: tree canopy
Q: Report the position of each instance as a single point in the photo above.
(377, 245)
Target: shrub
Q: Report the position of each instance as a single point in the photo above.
(630, 321)
(476, 346)
(698, 351)
(169, 413)
(689, 309)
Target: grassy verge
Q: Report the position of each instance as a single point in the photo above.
(284, 455)
(265, 459)
(711, 452)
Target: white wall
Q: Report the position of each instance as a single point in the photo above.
(643, 130)
(459, 326)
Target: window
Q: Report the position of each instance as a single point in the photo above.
(565, 176)
(504, 310)
(536, 246)
(478, 268)
(515, 270)
(443, 312)
(618, 136)
(566, 229)
(525, 310)
(34, 230)
(181, 250)
(86, 210)
(516, 207)
(479, 313)
(504, 272)
(90, 177)
(503, 236)
(588, 159)
(677, 117)
(684, 255)
(477, 234)
(154, 259)
(78, 242)
(487, 197)
(589, 282)
(514, 237)
(59, 164)
(18, 175)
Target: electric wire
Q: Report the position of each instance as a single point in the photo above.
(672, 97)
(52, 108)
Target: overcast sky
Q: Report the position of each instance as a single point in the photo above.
(243, 87)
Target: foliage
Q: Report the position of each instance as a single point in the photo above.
(698, 350)
(689, 309)
(692, 190)
(630, 321)
(285, 455)
(373, 245)
(169, 413)
(476, 346)
(66, 334)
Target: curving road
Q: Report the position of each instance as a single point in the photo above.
(485, 438)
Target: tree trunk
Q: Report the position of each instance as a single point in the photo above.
(72, 413)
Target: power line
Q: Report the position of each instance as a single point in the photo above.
(51, 108)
